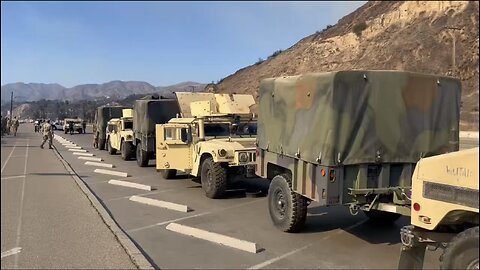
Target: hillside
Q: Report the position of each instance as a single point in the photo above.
(398, 35)
(114, 89)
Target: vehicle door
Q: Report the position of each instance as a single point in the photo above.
(173, 149)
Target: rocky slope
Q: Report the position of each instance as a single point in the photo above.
(398, 35)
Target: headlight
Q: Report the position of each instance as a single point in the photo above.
(243, 157)
(222, 152)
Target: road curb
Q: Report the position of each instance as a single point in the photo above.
(137, 257)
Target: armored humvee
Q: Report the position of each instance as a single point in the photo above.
(77, 125)
(102, 116)
(120, 135)
(444, 212)
(351, 138)
(147, 112)
(213, 139)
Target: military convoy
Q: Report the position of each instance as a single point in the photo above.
(214, 139)
(364, 139)
(102, 116)
(120, 135)
(444, 212)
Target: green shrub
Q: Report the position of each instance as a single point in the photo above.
(358, 28)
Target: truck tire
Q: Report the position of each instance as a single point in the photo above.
(111, 150)
(142, 156)
(382, 216)
(288, 209)
(126, 150)
(169, 173)
(101, 144)
(213, 176)
(462, 251)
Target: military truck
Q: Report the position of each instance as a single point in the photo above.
(351, 138)
(120, 135)
(102, 116)
(214, 139)
(147, 112)
(77, 125)
(444, 212)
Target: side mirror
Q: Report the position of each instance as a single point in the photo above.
(185, 135)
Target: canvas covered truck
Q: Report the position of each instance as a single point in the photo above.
(351, 138)
(102, 116)
(120, 135)
(444, 212)
(147, 112)
(214, 139)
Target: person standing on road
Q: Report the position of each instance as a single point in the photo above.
(47, 131)
(15, 125)
(70, 127)
(84, 126)
(9, 123)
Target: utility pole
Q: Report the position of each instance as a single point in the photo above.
(11, 105)
(193, 88)
(452, 34)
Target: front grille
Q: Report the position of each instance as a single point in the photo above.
(451, 194)
(252, 157)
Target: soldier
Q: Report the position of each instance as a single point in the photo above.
(9, 123)
(84, 126)
(70, 127)
(15, 125)
(47, 131)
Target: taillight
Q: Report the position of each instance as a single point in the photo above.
(416, 207)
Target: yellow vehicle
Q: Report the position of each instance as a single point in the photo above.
(77, 125)
(214, 139)
(120, 135)
(444, 212)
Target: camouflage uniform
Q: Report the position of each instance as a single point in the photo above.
(47, 130)
(15, 125)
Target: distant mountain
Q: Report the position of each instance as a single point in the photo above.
(114, 90)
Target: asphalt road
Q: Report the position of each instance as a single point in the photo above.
(332, 238)
(46, 220)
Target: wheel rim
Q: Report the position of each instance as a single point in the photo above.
(474, 265)
(279, 203)
(208, 176)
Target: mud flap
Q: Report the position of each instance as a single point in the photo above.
(412, 257)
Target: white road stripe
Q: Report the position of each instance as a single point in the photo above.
(8, 158)
(268, 262)
(12, 177)
(10, 252)
(129, 184)
(214, 237)
(162, 204)
(83, 154)
(77, 150)
(141, 194)
(105, 165)
(90, 158)
(19, 225)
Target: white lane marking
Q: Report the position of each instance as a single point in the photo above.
(193, 216)
(19, 225)
(11, 177)
(129, 184)
(73, 147)
(162, 204)
(77, 150)
(8, 158)
(105, 165)
(141, 194)
(273, 260)
(90, 158)
(121, 174)
(214, 237)
(83, 154)
(19, 156)
(10, 252)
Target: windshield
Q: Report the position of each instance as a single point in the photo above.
(217, 129)
(245, 129)
(128, 125)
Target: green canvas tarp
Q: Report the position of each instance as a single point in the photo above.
(358, 117)
(149, 112)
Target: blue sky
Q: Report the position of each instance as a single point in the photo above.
(161, 43)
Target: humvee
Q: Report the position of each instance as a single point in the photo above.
(102, 116)
(120, 135)
(351, 138)
(77, 125)
(444, 212)
(147, 112)
(214, 139)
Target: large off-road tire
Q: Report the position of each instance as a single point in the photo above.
(126, 150)
(462, 251)
(213, 176)
(168, 174)
(142, 156)
(101, 144)
(111, 150)
(382, 216)
(288, 209)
